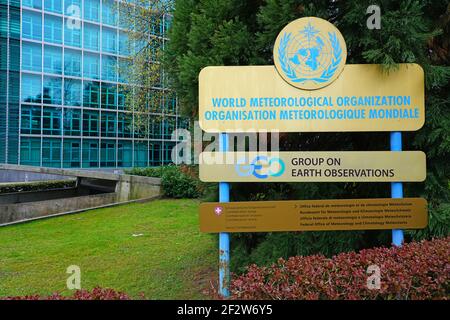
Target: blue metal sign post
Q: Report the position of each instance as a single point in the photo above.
(396, 187)
(224, 238)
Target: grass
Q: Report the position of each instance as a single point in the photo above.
(170, 260)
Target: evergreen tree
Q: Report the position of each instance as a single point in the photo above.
(233, 32)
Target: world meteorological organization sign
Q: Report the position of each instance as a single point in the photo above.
(311, 89)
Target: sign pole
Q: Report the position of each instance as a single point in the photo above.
(396, 187)
(224, 238)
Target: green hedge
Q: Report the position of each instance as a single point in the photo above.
(176, 181)
(36, 186)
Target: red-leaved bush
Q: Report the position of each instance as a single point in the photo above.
(418, 270)
(95, 294)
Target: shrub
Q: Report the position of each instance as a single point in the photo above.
(418, 270)
(36, 185)
(95, 294)
(176, 181)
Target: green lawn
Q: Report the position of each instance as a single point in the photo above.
(171, 260)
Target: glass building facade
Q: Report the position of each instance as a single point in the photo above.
(62, 93)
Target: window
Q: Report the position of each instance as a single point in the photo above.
(124, 125)
(31, 88)
(108, 124)
(52, 60)
(52, 93)
(51, 152)
(109, 12)
(30, 151)
(155, 154)
(168, 127)
(141, 154)
(91, 65)
(71, 153)
(31, 57)
(72, 35)
(109, 96)
(53, 6)
(124, 154)
(109, 40)
(36, 4)
(92, 10)
(90, 153)
(121, 97)
(51, 121)
(72, 122)
(124, 67)
(53, 29)
(30, 120)
(91, 94)
(72, 8)
(31, 25)
(124, 46)
(109, 68)
(91, 37)
(90, 123)
(72, 63)
(108, 154)
(155, 129)
(72, 92)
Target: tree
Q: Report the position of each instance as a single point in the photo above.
(143, 69)
(233, 32)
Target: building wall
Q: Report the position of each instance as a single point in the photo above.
(62, 90)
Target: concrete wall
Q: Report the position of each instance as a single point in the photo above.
(94, 189)
(22, 176)
(31, 210)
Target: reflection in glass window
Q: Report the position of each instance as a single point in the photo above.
(52, 29)
(92, 10)
(52, 59)
(72, 8)
(124, 45)
(72, 63)
(52, 93)
(109, 68)
(31, 88)
(53, 6)
(109, 12)
(109, 40)
(31, 56)
(31, 25)
(72, 35)
(91, 37)
(37, 4)
(91, 68)
(72, 92)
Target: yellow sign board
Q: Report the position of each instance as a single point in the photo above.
(314, 215)
(331, 166)
(362, 98)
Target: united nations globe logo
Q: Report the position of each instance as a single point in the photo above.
(310, 53)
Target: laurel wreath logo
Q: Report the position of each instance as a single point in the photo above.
(326, 74)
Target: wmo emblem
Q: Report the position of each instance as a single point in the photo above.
(310, 53)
